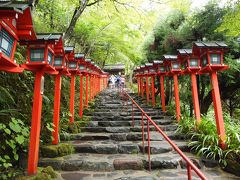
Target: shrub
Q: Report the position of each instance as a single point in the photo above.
(14, 139)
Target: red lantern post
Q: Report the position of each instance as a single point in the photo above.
(40, 58)
(81, 59)
(152, 74)
(160, 70)
(191, 66)
(74, 71)
(141, 74)
(147, 74)
(88, 81)
(60, 64)
(15, 25)
(173, 69)
(86, 90)
(211, 57)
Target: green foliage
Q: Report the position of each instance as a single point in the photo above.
(52, 151)
(231, 20)
(205, 141)
(186, 125)
(46, 173)
(14, 140)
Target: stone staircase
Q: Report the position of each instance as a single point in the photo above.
(110, 148)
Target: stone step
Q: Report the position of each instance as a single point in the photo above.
(126, 147)
(128, 107)
(133, 136)
(160, 174)
(127, 117)
(104, 113)
(171, 127)
(125, 123)
(114, 175)
(111, 162)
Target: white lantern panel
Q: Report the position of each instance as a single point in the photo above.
(193, 62)
(81, 67)
(37, 55)
(175, 66)
(58, 61)
(72, 65)
(215, 58)
(6, 43)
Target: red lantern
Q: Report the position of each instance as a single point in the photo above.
(40, 53)
(15, 24)
(211, 55)
(172, 67)
(191, 65)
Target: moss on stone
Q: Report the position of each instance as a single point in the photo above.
(59, 150)
(46, 173)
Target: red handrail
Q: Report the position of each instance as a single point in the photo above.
(190, 164)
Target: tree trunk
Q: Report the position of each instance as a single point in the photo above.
(77, 13)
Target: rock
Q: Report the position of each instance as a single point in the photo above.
(58, 150)
(118, 129)
(128, 149)
(210, 163)
(72, 165)
(163, 163)
(134, 137)
(118, 137)
(106, 149)
(233, 166)
(97, 166)
(54, 163)
(125, 164)
(85, 148)
(196, 162)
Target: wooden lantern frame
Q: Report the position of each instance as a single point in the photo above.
(15, 24)
(205, 50)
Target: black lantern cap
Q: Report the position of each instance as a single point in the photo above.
(49, 36)
(170, 57)
(157, 62)
(68, 49)
(211, 44)
(79, 55)
(185, 51)
(88, 60)
(148, 64)
(14, 5)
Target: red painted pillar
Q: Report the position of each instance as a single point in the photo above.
(86, 91)
(218, 111)
(90, 87)
(147, 89)
(72, 98)
(138, 82)
(81, 97)
(142, 87)
(176, 95)
(195, 98)
(94, 85)
(153, 91)
(35, 124)
(162, 93)
(57, 102)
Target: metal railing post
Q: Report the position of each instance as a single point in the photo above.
(143, 136)
(133, 123)
(189, 172)
(190, 164)
(149, 147)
